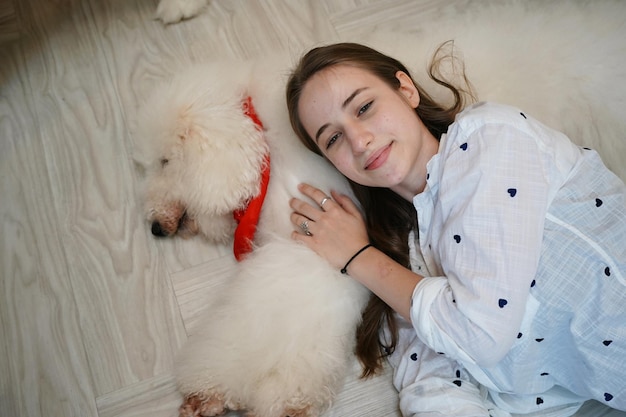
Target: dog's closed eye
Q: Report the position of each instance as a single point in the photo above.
(164, 162)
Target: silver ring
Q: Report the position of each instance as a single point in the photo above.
(305, 228)
(324, 200)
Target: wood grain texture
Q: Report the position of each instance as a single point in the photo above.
(9, 22)
(119, 296)
(92, 307)
(44, 364)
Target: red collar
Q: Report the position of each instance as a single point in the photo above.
(248, 217)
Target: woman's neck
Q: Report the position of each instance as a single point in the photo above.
(415, 182)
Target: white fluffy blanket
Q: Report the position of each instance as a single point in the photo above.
(564, 62)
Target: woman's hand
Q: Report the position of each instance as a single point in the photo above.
(337, 232)
(335, 226)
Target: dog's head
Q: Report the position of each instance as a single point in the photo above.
(202, 158)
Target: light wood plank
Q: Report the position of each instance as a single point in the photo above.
(9, 22)
(153, 397)
(122, 297)
(247, 29)
(44, 367)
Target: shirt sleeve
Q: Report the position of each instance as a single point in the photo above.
(430, 384)
(492, 201)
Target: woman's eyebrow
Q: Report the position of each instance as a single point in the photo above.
(343, 106)
(352, 96)
(320, 131)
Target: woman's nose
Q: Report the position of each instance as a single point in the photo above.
(360, 137)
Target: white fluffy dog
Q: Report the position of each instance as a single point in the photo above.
(278, 341)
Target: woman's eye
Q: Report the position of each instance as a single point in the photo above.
(332, 140)
(365, 108)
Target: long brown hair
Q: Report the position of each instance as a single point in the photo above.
(389, 217)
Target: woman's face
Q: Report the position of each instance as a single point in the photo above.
(368, 130)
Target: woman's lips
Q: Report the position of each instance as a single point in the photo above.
(378, 158)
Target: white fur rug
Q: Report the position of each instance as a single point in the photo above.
(564, 62)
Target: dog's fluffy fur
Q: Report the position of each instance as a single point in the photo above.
(276, 342)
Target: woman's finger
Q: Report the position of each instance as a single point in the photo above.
(315, 194)
(326, 200)
(305, 209)
(346, 203)
(302, 223)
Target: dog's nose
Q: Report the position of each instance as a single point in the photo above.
(157, 230)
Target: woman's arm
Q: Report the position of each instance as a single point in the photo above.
(490, 192)
(390, 281)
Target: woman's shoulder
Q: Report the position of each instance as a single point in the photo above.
(483, 116)
(486, 112)
(490, 123)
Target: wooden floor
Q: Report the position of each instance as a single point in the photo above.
(92, 308)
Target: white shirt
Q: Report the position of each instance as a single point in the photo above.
(523, 237)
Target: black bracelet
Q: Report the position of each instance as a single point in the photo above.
(344, 270)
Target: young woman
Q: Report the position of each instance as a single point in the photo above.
(498, 242)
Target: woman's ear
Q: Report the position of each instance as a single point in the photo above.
(408, 89)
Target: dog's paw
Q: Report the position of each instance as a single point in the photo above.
(172, 11)
(201, 406)
(300, 412)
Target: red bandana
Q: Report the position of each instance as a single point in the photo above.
(248, 217)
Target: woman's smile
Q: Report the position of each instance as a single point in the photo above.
(378, 158)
